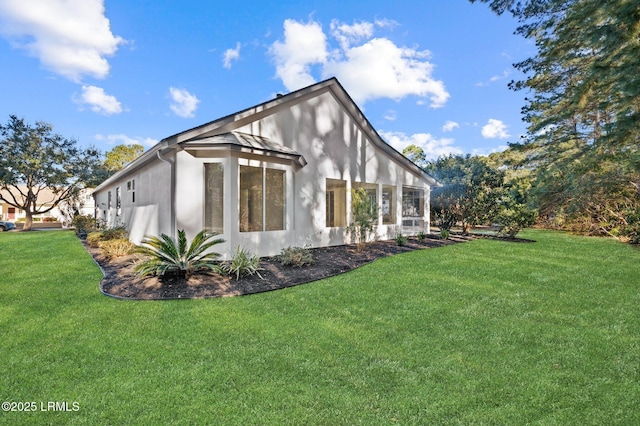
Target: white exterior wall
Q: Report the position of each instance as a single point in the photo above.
(151, 211)
(334, 146)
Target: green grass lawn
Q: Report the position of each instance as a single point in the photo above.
(485, 332)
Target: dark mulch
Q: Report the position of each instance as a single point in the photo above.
(121, 281)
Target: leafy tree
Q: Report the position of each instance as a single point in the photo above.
(365, 216)
(415, 154)
(121, 155)
(515, 210)
(471, 191)
(34, 160)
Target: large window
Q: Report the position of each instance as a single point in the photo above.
(372, 194)
(274, 203)
(262, 199)
(336, 203)
(214, 197)
(388, 204)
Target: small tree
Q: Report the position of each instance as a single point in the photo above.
(470, 193)
(35, 161)
(515, 212)
(364, 214)
(121, 155)
(415, 154)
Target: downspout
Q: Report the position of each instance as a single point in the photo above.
(172, 189)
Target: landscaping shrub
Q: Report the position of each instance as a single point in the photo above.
(401, 240)
(94, 238)
(85, 224)
(165, 255)
(444, 234)
(295, 256)
(422, 236)
(116, 247)
(242, 263)
(365, 216)
(118, 233)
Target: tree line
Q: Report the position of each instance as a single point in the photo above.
(578, 167)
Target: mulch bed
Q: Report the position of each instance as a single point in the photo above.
(120, 280)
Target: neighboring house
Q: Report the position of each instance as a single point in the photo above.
(84, 204)
(275, 175)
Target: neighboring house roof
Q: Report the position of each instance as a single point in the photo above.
(221, 131)
(45, 195)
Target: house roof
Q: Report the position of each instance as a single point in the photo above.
(246, 143)
(231, 122)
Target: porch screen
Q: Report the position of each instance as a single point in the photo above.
(214, 197)
(262, 199)
(336, 203)
(412, 202)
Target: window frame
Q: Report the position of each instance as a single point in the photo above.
(264, 207)
(220, 229)
(338, 189)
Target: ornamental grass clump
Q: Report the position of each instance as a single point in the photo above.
(242, 263)
(167, 256)
(295, 256)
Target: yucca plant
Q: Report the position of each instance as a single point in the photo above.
(168, 256)
(242, 263)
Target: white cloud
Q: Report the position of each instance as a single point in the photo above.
(495, 129)
(231, 55)
(303, 46)
(368, 67)
(348, 34)
(495, 78)
(98, 100)
(449, 126)
(69, 37)
(391, 115)
(121, 139)
(183, 104)
(380, 69)
(432, 147)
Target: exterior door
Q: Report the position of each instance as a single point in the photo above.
(12, 213)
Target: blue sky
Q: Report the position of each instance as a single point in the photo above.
(432, 72)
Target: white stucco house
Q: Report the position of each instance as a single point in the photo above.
(274, 175)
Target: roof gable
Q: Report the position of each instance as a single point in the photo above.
(236, 120)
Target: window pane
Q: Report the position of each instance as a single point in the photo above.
(250, 199)
(214, 197)
(412, 202)
(336, 203)
(372, 195)
(118, 202)
(274, 200)
(389, 204)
